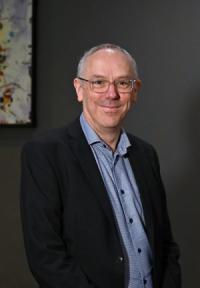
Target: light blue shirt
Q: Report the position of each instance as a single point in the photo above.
(124, 195)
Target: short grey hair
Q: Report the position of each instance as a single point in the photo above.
(83, 60)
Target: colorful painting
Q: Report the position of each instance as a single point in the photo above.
(15, 62)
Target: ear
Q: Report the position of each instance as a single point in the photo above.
(79, 89)
(136, 88)
(137, 85)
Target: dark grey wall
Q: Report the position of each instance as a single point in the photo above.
(164, 38)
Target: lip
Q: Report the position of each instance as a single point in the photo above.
(110, 108)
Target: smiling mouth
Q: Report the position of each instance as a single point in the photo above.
(110, 108)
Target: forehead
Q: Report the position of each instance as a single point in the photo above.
(107, 62)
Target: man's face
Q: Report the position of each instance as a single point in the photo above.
(108, 109)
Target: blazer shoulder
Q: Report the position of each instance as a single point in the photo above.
(144, 148)
(140, 143)
(48, 137)
(55, 139)
(55, 135)
(147, 151)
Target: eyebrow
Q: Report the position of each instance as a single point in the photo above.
(98, 76)
(104, 77)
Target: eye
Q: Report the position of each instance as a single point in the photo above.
(123, 83)
(98, 82)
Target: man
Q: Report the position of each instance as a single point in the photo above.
(93, 204)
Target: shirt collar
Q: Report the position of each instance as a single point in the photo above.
(90, 134)
(93, 138)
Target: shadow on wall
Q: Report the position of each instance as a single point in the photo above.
(187, 193)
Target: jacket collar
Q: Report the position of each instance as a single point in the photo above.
(142, 172)
(84, 156)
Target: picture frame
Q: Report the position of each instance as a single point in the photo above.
(17, 100)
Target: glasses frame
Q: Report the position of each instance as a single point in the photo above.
(109, 83)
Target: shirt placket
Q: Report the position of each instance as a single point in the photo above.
(130, 219)
(134, 223)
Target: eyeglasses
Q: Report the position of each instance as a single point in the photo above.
(102, 85)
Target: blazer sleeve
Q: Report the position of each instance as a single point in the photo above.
(41, 213)
(172, 271)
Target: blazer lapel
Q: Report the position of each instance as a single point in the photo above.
(89, 166)
(140, 169)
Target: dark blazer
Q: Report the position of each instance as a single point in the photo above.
(70, 232)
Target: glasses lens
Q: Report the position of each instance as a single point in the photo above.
(124, 85)
(100, 85)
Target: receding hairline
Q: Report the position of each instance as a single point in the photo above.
(107, 46)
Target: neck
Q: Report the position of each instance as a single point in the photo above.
(110, 136)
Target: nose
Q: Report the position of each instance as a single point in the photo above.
(112, 91)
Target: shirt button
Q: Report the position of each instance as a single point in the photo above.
(122, 191)
(131, 220)
(139, 250)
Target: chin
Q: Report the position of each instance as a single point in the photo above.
(111, 124)
(113, 120)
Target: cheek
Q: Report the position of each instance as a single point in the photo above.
(92, 100)
(128, 101)
(89, 104)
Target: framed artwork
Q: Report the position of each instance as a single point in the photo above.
(16, 57)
